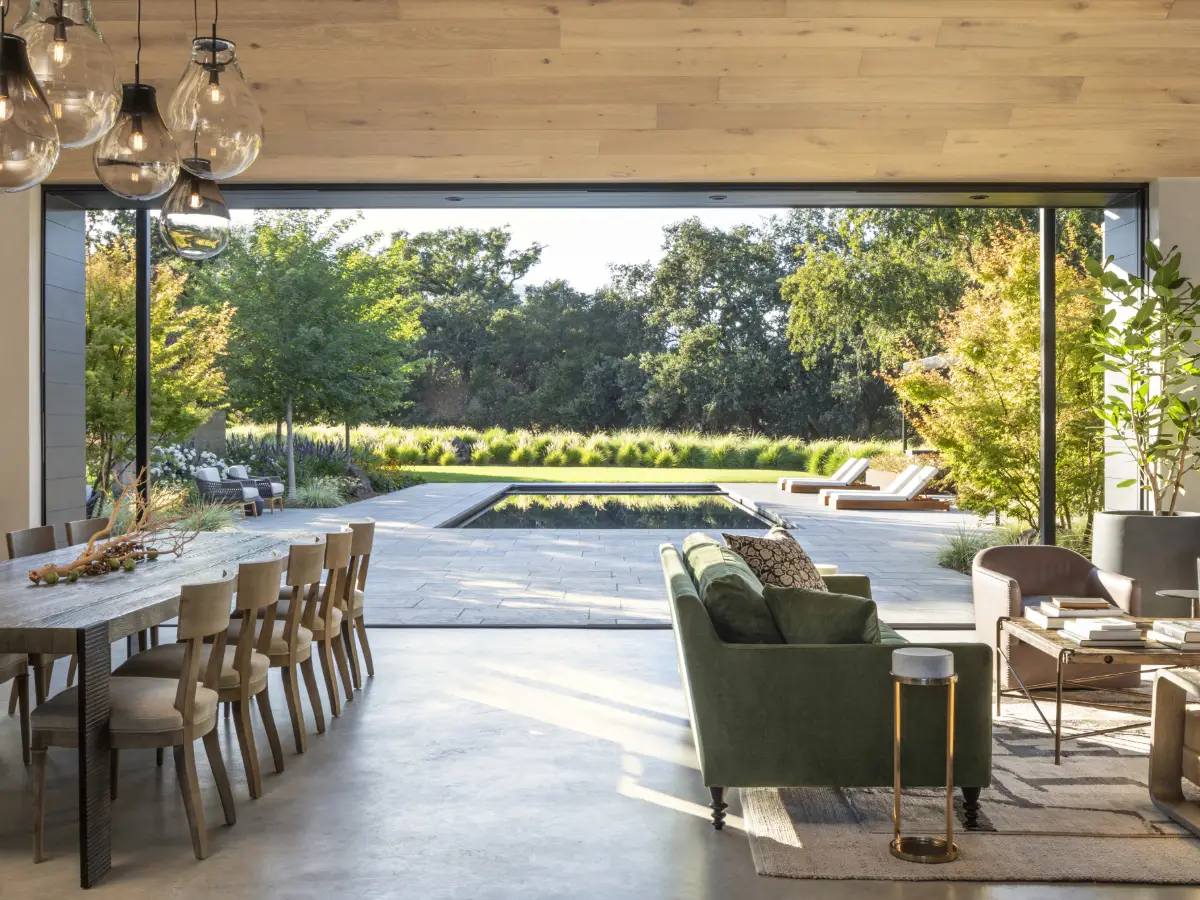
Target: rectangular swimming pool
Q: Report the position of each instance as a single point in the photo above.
(612, 508)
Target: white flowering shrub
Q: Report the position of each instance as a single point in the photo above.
(177, 463)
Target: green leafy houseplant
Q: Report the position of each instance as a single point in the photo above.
(1144, 338)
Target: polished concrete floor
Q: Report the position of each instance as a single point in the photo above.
(477, 764)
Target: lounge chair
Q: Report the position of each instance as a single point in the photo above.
(907, 497)
(844, 478)
(213, 489)
(898, 483)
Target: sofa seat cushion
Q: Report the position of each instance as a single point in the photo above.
(888, 635)
(806, 616)
(777, 559)
(731, 593)
(139, 706)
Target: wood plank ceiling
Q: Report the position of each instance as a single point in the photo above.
(699, 90)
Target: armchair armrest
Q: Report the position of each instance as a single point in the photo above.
(995, 596)
(220, 491)
(1119, 589)
(857, 585)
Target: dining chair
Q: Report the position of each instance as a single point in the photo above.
(286, 643)
(155, 713)
(353, 597)
(30, 542)
(81, 530)
(14, 667)
(323, 615)
(244, 671)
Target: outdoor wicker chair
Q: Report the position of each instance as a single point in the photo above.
(270, 490)
(215, 490)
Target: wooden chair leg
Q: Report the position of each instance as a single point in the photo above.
(360, 626)
(314, 696)
(245, 736)
(325, 651)
(351, 652)
(339, 654)
(43, 672)
(21, 686)
(268, 717)
(39, 803)
(12, 699)
(216, 762)
(71, 667)
(158, 757)
(291, 691)
(114, 767)
(153, 636)
(189, 786)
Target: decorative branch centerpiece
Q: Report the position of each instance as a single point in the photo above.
(145, 534)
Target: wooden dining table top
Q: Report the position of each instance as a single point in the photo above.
(42, 618)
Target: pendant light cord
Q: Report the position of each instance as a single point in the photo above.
(137, 63)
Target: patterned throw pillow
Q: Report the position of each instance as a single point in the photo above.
(777, 559)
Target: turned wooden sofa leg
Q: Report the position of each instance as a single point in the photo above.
(718, 807)
(971, 806)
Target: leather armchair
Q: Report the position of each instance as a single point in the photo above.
(1007, 579)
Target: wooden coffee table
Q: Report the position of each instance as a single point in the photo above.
(1067, 652)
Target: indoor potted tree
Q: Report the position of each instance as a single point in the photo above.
(1145, 339)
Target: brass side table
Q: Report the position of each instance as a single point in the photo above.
(923, 667)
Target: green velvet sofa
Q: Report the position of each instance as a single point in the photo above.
(793, 715)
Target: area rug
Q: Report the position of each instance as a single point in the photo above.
(1087, 820)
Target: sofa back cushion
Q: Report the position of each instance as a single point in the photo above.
(806, 616)
(730, 593)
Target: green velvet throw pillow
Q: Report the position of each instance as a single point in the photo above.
(805, 616)
(731, 593)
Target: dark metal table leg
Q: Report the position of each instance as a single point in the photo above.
(95, 823)
(1058, 712)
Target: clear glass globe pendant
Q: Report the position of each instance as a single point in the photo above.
(195, 220)
(137, 159)
(214, 111)
(29, 144)
(75, 67)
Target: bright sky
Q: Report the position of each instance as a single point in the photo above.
(579, 243)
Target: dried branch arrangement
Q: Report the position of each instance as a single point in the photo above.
(145, 534)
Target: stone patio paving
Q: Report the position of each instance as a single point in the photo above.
(425, 575)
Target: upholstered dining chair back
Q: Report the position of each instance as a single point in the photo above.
(360, 555)
(81, 530)
(257, 589)
(30, 541)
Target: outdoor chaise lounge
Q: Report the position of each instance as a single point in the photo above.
(898, 483)
(845, 477)
(901, 494)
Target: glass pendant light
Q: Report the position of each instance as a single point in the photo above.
(195, 219)
(137, 158)
(214, 109)
(75, 67)
(29, 144)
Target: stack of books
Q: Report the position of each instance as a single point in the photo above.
(1106, 631)
(1057, 611)
(1182, 634)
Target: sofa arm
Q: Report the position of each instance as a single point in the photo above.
(857, 585)
(791, 715)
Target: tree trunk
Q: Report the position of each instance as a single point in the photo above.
(291, 455)
(278, 436)
(349, 458)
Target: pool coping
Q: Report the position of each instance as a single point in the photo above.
(595, 487)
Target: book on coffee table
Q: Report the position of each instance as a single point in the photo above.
(1179, 629)
(1052, 618)
(1104, 632)
(1172, 642)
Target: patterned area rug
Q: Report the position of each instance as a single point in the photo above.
(1089, 819)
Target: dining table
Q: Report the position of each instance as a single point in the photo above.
(85, 618)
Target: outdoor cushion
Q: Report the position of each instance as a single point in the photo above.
(276, 488)
(139, 705)
(732, 595)
(805, 616)
(777, 559)
(208, 474)
(166, 661)
(249, 493)
(237, 472)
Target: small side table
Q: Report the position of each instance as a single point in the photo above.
(1182, 594)
(1175, 749)
(923, 666)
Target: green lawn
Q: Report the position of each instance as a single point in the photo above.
(596, 473)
